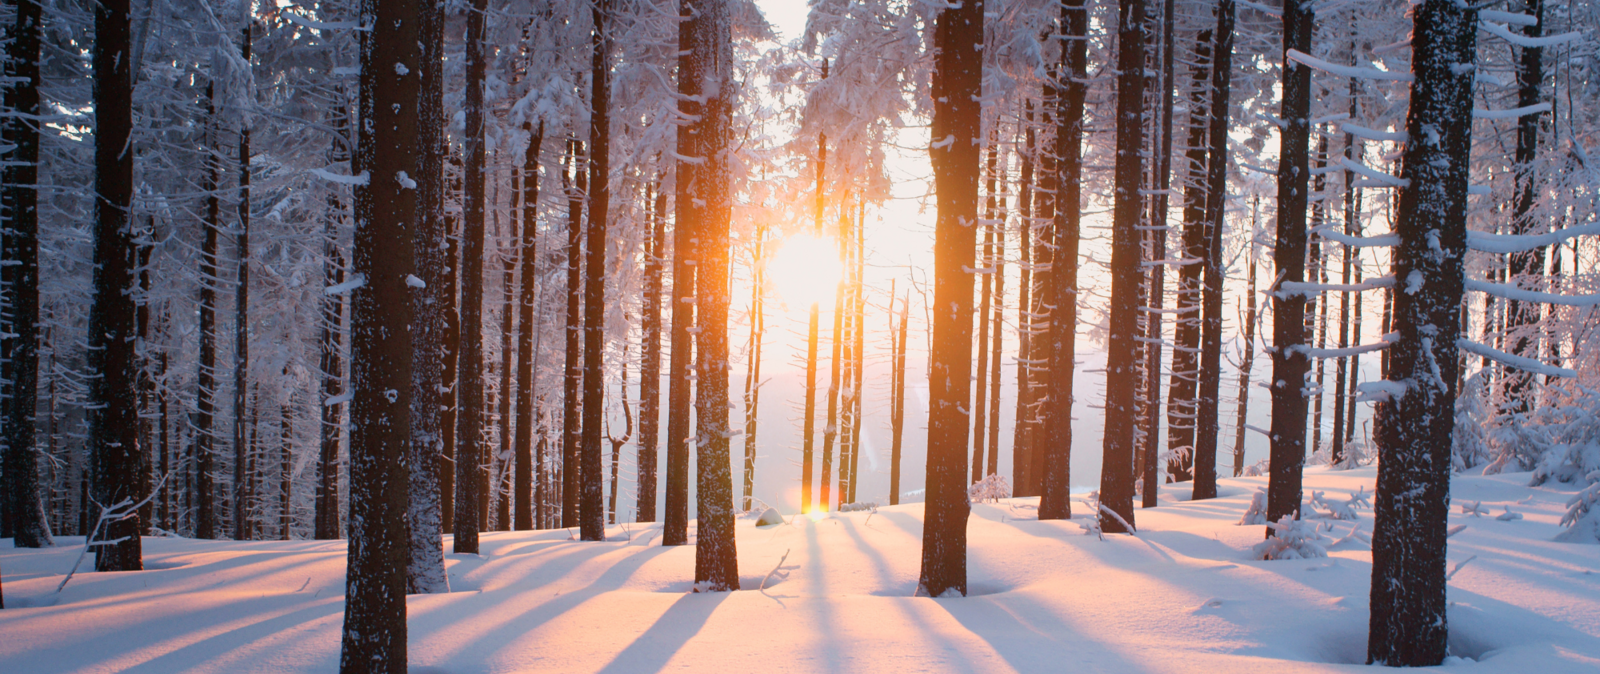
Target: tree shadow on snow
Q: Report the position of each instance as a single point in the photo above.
(680, 623)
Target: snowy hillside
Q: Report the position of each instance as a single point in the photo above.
(1182, 596)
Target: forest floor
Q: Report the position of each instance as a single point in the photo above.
(1182, 596)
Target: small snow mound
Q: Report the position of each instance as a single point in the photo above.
(858, 507)
(1257, 512)
(1583, 515)
(769, 517)
(1292, 539)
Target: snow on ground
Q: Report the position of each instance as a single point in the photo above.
(1182, 596)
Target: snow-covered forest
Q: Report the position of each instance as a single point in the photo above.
(621, 309)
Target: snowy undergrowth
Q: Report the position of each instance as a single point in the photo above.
(1183, 596)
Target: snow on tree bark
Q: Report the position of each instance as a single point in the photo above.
(957, 85)
(650, 367)
(381, 353)
(1413, 429)
(112, 409)
(206, 378)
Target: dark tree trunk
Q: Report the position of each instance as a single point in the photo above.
(1149, 436)
(380, 340)
(285, 484)
(1319, 269)
(330, 361)
(1525, 268)
(1116, 467)
(509, 247)
(710, 60)
(685, 230)
(205, 518)
(1185, 381)
(1344, 430)
(650, 350)
(1021, 458)
(1207, 422)
(1289, 364)
(112, 409)
(592, 516)
(897, 420)
(469, 459)
(980, 398)
(572, 374)
(1412, 499)
(995, 346)
(1055, 499)
(450, 342)
(530, 269)
(1248, 354)
(618, 442)
(241, 321)
(957, 86)
(426, 574)
(22, 504)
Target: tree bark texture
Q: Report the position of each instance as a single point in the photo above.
(1413, 429)
(957, 85)
(470, 457)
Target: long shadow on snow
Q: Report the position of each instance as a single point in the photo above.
(670, 633)
(208, 649)
(455, 614)
(1030, 636)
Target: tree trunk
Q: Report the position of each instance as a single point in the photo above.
(617, 443)
(1248, 355)
(1525, 268)
(897, 421)
(1149, 439)
(980, 398)
(591, 516)
(572, 377)
(450, 404)
(330, 357)
(1289, 364)
(523, 520)
(285, 446)
(999, 265)
(1207, 423)
(650, 350)
(470, 457)
(685, 233)
(425, 573)
(1021, 457)
(957, 86)
(710, 60)
(241, 319)
(1185, 382)
(509, 247)
(1342, 430)
(1319, 261)
(830, 429)
(1116, 472)
(860, 366)
(206, 377)
(22, 502)
(1055, 482)
(752, 378)
(112, 410)
(808, 425)
(1413, 430)
(380, 344)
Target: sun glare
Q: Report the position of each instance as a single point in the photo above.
(804, 271)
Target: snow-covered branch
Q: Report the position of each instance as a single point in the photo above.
(1512, 360)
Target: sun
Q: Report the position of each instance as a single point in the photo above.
(804, 271)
